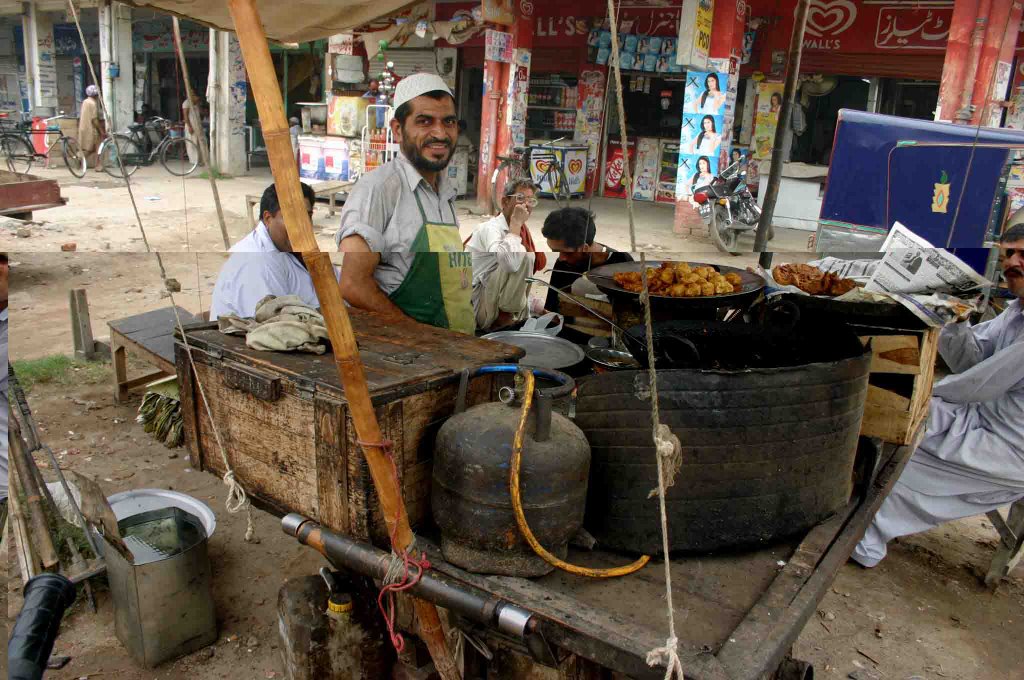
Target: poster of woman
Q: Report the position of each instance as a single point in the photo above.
(766, 119)
(702, 135)
(705, 173)
(706, 92)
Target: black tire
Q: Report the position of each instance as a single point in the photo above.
(766, 454)
(176, 159)
(725, 239)
(129, 152)
(73, 157)
(16, 154)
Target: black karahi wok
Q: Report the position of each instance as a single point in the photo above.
(750, 287)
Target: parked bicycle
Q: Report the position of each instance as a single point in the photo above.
(18, 152)
(517, 166)
(144, 144)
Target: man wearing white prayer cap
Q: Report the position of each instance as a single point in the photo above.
(399, 231)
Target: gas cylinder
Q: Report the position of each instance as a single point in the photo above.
(470, 495)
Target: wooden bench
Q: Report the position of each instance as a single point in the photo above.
(328, 190)
(148, 336)
(1011, 542)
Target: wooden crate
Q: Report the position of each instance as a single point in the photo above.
(286, 427)
(900, 385)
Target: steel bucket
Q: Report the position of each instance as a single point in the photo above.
(163, 606)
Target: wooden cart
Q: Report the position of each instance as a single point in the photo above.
(20, 195)
(285, 422)
(737, 614)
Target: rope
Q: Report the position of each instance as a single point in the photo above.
(668, 654)
(517, 501)
(404, 571)
(237, 499)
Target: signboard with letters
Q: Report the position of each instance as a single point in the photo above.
(695, 34)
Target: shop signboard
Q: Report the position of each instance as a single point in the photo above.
(695, 33)
(498, 12)
(668, 169)
(645, 177)
(766, 120)
(498, 46)
(342, 43)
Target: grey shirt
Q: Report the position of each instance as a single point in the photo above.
(382, 209)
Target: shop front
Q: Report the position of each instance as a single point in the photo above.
(875, 57)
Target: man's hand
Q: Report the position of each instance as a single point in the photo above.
(358, 286)
(519, 216)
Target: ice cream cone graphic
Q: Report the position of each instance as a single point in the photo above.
(940, 199)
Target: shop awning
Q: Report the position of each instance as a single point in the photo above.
(286, 22)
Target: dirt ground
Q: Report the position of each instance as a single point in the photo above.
(179, 214)
(921, 614)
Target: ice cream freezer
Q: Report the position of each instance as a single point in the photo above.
(328, 158)
(573, 159)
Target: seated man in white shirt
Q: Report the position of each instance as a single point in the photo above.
(503, 257)
(263, 264)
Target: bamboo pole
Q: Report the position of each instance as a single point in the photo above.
(33, 508)
(204, 150)
(266, 91)
(18, 532)
(771, 193)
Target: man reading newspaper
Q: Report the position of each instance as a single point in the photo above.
(971, 460)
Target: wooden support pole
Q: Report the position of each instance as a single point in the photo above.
(81, 324)
(267, 93)
(204, 150)
(771, 193)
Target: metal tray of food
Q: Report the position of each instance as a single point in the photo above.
(751, 285)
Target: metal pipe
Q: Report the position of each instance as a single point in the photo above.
(434, 587)
(771, 193)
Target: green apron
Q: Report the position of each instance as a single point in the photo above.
(438, 288)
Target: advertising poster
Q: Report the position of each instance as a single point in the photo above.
(589, 114)
(668, 169)
(615, 167)
(706, 92)
(498, 46)
(766, 119)
(695, 172)
(645, 176)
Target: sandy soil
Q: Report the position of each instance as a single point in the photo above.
(179, 214)
(921, 614)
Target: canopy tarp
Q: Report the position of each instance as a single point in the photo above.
(286, 22)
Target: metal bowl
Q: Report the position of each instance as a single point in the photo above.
(607, 359)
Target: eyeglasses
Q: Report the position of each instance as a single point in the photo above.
(521, 198)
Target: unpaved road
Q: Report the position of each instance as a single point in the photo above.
(921, 614)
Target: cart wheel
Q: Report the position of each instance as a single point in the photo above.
(794, 669)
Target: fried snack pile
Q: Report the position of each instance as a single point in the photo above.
(678, 279)
(812, 280)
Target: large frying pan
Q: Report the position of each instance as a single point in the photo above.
(750, 287)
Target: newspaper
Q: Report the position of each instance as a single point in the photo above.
(913, 265)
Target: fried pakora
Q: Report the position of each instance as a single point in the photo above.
(679, 279)
(812, 280)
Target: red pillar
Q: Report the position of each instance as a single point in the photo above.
(992, 114)
(522, 38)
(954, 68)
(493, 93)
(998, 16)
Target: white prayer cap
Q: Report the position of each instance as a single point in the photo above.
(418, 84)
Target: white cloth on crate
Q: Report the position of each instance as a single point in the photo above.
(501, 264)
(971, 460)
(4, 413)
(256, 269)
(280, 324)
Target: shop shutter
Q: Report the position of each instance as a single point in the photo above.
(407, 62)
(902, 65)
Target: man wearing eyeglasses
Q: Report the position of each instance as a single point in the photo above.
(971, 460)
(263, 263)
(504, 256)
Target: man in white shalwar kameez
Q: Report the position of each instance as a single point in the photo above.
(971, 460)
(263, 264)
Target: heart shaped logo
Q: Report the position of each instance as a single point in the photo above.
(542, 166)
(830, 16)
(575, 165)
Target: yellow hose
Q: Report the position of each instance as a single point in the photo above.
(517, 503)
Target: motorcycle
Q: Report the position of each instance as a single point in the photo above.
(728, 208)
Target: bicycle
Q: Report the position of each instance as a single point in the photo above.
(18, 152)
(137, 148)
(517, 166)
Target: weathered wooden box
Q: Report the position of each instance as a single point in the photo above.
(284, 420)
(900, 384)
